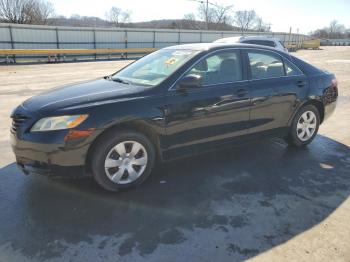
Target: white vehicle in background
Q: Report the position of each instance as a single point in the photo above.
(255, 40)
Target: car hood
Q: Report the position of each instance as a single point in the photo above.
(80, 94)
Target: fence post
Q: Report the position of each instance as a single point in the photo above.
(154, 38)
(290, 33)
(126, 43)
(12, 43)
(57, 39)
(94, 33)
(200, 36)
(178, 37)
(57, 43)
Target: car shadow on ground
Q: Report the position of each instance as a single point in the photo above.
(228, 205)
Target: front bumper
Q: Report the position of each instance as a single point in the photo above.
(51, 153)
(54, 157)
(30, 167)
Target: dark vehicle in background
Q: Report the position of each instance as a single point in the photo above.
(175, 102)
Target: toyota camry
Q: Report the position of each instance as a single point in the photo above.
(175, 102)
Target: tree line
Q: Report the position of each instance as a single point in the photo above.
(25, 11)
(220, 17)
(335, 30)
(211, 17)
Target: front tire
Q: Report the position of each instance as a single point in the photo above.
(122, 159)
(304, 127)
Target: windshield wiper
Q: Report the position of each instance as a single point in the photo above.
(119, 80)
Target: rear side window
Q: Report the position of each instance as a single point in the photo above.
(263, 65)
(291, 70)
(260, 42)
(219, 68)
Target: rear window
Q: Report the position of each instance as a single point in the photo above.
(260, 42)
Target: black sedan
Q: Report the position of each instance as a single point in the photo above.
(175, 102)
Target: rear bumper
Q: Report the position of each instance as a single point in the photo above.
(329, 109)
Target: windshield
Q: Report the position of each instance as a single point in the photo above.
(152, 69)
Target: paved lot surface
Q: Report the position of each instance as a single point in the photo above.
(263, 202)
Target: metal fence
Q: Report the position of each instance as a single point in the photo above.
(14, 36)
(335, 42)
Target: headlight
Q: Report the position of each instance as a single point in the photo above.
(58, 123)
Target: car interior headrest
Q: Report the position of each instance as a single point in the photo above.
(202, 66)
(275, 70)
(228, 66)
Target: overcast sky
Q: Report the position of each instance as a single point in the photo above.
(305, 15)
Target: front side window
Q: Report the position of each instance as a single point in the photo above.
(264, 65)
(154, 68)
(219, 68)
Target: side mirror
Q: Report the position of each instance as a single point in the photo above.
(190, 81)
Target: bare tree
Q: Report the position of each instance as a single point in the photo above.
(333, 31)
(38, 11)
(118, 17)
(126, 16)
(206, 13)
(216, 16)
(347, 33)
(190, 22)
(12, 11)
(222, 14)
(190, 17)
(25, 11)
(333, 26)
(245, 20)
(261, 26)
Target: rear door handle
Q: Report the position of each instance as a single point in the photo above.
(241, 92)
(301, 83)
(258, 100)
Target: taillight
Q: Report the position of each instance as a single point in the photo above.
(335, 85)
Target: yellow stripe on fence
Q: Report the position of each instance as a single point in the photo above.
(73, 51)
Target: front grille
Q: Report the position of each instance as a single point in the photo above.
(17, 121)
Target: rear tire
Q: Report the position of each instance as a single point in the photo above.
(122, 159)
(304, 127)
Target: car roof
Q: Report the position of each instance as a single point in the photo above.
(231, 39)
(218, 46)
